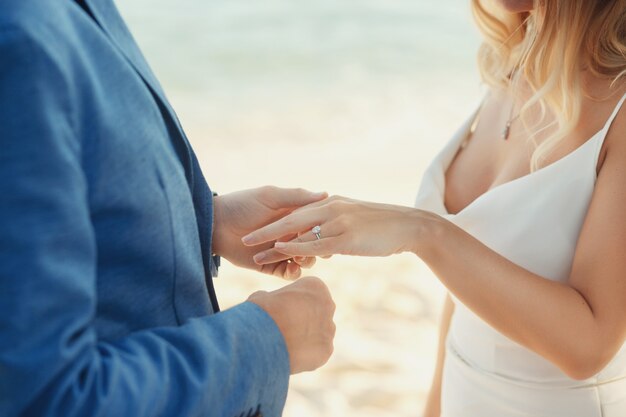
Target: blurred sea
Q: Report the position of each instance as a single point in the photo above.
(218, 46)
(354, 97)
(228, 63)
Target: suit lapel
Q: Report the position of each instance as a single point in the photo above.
(112, 24)
(107, 16)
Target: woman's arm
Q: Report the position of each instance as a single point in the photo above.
(553, 319)
(433, 401)
(578, 325)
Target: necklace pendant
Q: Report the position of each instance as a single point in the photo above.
(507, 131)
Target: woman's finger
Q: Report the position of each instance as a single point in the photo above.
(290, 224)
(287, 238)
(272, 255)
(298, 257)
(321, 247)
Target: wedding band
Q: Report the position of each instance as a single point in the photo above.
(317, 231)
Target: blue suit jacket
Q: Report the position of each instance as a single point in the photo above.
(106, 299)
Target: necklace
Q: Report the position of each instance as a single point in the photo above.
(506, 132)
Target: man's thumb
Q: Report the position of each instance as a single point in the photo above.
(297, 197)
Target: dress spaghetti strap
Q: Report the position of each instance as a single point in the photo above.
(607, 127)
(615, 112)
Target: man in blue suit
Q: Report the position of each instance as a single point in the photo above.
(110, 236)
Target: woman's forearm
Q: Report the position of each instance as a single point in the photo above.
(550, 318)
(553, 319)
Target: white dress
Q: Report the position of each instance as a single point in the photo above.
(534, 221)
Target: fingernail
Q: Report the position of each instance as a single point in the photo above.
(259, 257)
(320, 194)
(247, 239)
(299, 259)
(280, 245)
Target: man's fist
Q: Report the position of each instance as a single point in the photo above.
(304, 313)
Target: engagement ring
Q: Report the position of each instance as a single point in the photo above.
(317, 231)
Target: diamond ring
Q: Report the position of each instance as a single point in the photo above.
(317, 231)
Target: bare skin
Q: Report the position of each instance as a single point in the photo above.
(454, 198)
(303, 311)
(458, 197)
(592, 324)
(241, 212)
(433, 401)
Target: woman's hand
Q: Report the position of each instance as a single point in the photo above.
(347, 227)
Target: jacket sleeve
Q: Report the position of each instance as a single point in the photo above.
(51, 361)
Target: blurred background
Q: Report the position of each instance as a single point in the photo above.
(353, 97)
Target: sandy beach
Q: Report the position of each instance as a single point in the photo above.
(354, 98)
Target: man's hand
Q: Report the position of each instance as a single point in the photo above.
(303, 311)
(240, 213)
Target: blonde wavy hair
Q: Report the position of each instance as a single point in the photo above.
(548, 48)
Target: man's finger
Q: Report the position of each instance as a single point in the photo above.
(321, 203)
(277, 269)
(288, 225)
(292, 272)
(279, 198)
(305, 261)
(284, 269)
(270, 256)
